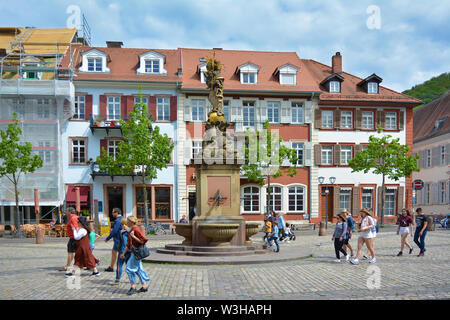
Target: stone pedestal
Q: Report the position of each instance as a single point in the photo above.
(39, 235)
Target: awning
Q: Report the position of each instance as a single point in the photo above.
(84, 195)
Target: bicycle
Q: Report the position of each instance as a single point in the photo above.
(157, 229)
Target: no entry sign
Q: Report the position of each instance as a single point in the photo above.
(418, 184)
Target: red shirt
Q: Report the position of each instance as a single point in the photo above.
(405, 221)
(73, 222)
(138, 234)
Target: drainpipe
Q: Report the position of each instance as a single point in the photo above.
(310, 168)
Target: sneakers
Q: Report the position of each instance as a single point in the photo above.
(400, 254)
(354, 261)
(365, 257)
(373, 260)
(421, 254)
(347, 257)
(131, 291)
(69, 274)
(95, 274)
(410, 250)
(109, 269)
(143, 290)
(337, 260)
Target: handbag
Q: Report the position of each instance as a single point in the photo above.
(141, 252)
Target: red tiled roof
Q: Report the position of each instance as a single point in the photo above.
(425, 118)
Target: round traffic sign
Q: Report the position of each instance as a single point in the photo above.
(418, 184)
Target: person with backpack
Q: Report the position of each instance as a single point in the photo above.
(366, 233)
(115, 235)
(122, 245)
(350, 227)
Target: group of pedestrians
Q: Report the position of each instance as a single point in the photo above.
(276, 230)
(367, 229)
(127, 237)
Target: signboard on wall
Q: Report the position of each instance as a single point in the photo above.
(105, 226)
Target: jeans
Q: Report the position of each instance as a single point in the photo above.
(420, 240)
(274, 238)
(338, 247)
(134, 267)
(120, 263)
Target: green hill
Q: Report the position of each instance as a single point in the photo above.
(430, 89)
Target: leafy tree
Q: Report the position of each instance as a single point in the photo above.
(431, 89)
(144, 149)
(16, 158)
(385, 156)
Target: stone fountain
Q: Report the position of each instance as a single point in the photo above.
(218, 228)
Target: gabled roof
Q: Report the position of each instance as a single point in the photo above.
(334, 76)
(249, 65)
(372, 77)
(433, 119)
(284, 66)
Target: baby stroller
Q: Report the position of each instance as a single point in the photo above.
(290, 235)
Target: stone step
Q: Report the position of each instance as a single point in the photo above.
(210, 254)
(179, 247)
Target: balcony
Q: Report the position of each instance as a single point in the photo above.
(107, 123)
(96, 172)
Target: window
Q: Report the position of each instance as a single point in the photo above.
(335, 86)
(287, 78)
(327, 155)
(45, 155)
(346, 154)
(428, 158)
(346, 119)
(249, 77)
(196, 149)
(427, 191)
(367, 198)
(372, 87)
(345, 195)
(275, 199)
(297, 112)
(198, 110)
(273, 112)
(162, 203)
(152, 66)
(327, 119)
(249, 114)
(79, 108)
(251, 199)
(137, 100)
(113, 108)
(367, 120)
(442, 192)
(389, 205)
(391, 120)
(296, 198)
(43, 108)
(140, 202)
(79, 151)
(163, 109)
(226, 110)
(112, 148)
(442, 156)
(95, 64)
(299, 148)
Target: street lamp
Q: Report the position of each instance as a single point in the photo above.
(327, 192)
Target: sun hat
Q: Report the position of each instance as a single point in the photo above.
(366, 211)
(342, 217)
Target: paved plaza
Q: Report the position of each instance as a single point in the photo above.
(30, 271)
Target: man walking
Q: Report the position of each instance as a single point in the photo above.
(350, 226)
(72, 221)
(115, 235)
(421, 231)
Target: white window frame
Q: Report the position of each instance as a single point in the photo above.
(442, 155)
(97, 64)
(345, 192)
(346, 119)
(388, 210)
(327, 119)
(151, 56)
(365, 117)
(372, 87)
(112, 145)
(296, 195)
(137, 100)
(196, 149)
(428, 158)
(390, 124)
(346, 154)
(199, 105)
(443, 192)
(76, 149)
(80, 104)
(365, 197)
(252, 199)
(247, 107)
(288, 74)
(116, 106)
(298, 112)
(335, 86)
(150, 65)
(273, 107)
(326, 154)
(248, 70)
(299, 146)
(163, 109)
(94, 54)
(272, 200)
(227, 110)
(249, 77)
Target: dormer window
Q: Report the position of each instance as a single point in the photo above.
(287, 74)
(372, 87)
(94, 61)
(335, 86)
(151, 62)
(248, 73)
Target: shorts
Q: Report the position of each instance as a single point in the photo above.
(72, 246)
(92, 247)
(346, 240)
(116, 246)
(404, 230)
(367, 235)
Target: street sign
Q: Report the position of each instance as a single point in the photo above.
(418, 184)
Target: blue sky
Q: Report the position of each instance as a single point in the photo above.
(411, 45)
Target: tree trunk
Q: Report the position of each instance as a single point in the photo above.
(17, 215)
(145, 201)
(382, 202)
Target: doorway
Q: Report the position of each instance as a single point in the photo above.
(114, 199)
(324, 208)
(192, 205)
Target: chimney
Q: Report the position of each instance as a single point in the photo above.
(336, 63)
(114, 44)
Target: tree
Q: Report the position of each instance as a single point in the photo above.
(143, 149)
(385, 156)
(16, 158)
(264, 149)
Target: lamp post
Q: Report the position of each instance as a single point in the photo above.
(327, 192)
(266, 165)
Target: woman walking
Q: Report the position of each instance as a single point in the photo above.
(339, 236)
(365, 235)
(122, 245)
(405, 228)
(134, 266)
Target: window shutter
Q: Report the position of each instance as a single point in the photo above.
(337, 119)
(400, 197)
(422, 159)
(308, 111)
(103, 106)
(88, 107)
(447, 150)
(358, 119)
(187, 152)
(286, 162)
(123, 107)
(103, 145)
(336, 202)
(285, 112)
(401, 120)
(263, 111)
(317, 119)
(173, 108)
(307, 155)
(317, 154)
(355, 201)
(435, 193)
(337, 154)
(435, 157)
(447, 193)
(239, 117)
(152, 107)
(130, 105)
(187, 110)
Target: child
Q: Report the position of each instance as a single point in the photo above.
(339, 236)
(122, 245)
(267, 229)
(274, 235)
(92, 237)
(288, 233)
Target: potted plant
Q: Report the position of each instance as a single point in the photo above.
(112, 123)
(98, 121)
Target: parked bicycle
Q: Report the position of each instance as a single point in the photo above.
(156, 228)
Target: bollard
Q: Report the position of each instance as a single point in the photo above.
(39, 235)
(322, 231)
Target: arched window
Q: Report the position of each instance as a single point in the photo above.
(296, 197)
(250, 199)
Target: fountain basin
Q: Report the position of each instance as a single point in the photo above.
(251, 229)
(219, 233)
(184, 230)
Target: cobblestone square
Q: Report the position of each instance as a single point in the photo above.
(30, 271)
